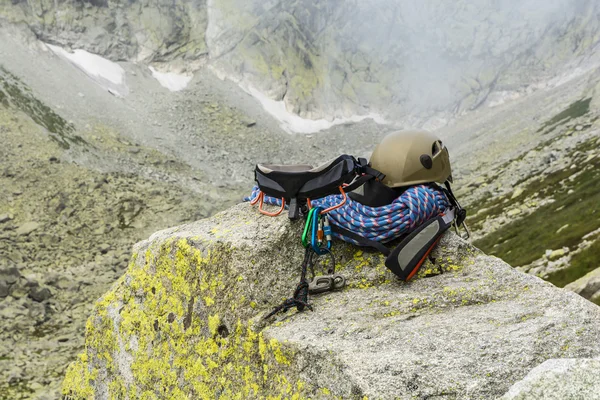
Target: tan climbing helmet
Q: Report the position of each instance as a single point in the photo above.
(410, 158)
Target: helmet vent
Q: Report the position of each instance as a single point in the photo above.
(426, 161)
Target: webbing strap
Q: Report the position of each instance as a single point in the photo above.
(300, 296)
(365, 242)
(358, 182)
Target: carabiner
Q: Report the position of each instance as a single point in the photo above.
(315, 233)
(307, 227)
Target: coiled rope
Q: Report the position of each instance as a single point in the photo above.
(413, 207)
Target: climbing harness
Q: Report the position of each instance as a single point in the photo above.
(295, 185)
(371, 208)
(420, 216)
(411, 208)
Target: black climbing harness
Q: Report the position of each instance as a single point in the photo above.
(295, 185)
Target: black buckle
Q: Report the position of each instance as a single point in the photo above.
(294, 209)
(461, 215)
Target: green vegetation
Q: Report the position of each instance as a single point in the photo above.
(526, 239)
(581, 263)
(575, 110)
(19, 386)
(14, 92)
(493, 207)
(3, 98)
(490, 207)
(44, 330)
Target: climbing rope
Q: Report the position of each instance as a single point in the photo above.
(413, 207)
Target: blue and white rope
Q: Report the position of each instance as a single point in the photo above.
(413, 207)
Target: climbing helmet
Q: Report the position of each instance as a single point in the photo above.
(411, 157)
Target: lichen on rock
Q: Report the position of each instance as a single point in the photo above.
(164, 333)
(185, 321)
(170, 328)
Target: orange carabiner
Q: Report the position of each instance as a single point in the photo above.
(337, 205)
(270, 214)
(257, 198)
(332, 207)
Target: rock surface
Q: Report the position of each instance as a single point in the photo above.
(185, 321)
(71, 207)
(108, 180)
(559, 379)
(587, 286)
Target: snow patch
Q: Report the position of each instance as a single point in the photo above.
(92, 64)
(108, 74)
(498, 98)
(293, 123)
(172, 81)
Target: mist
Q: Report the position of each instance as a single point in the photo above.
(403, 59)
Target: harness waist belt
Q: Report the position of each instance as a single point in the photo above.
(295, 184)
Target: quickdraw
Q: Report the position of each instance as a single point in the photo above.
(320, 237)
(317, 239)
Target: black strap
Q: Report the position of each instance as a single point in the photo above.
(461, 213)
(365, 173)
(300, 297)
(358, 183)
(361, 240)
(293, 209)
(380, 176)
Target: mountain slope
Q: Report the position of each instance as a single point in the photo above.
(414, 62)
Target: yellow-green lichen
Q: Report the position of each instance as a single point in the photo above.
(152, 337)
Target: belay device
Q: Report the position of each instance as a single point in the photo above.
(296, 185)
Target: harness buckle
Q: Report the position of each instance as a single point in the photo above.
(294, 209)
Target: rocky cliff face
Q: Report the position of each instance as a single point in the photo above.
(150, 31)
(334, 58)
(185, 321)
